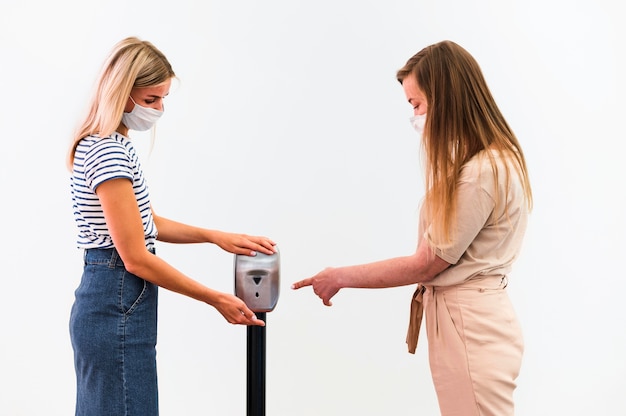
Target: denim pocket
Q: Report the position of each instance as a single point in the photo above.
(133, 292)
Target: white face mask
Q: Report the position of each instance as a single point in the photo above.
(141, 118)
(418, 122)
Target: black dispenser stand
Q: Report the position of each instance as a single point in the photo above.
(256, 368)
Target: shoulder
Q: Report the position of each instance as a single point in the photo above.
(114, 141)
(480, 173)
(484, 164)
(107, 152)
(107, 158)
(479, 165)
(98, 148)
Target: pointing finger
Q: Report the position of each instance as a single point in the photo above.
(301, 283)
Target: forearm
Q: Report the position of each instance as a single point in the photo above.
(398, 271)
(155, 270)
(175, 232)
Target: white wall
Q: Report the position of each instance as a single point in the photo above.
(289, 123)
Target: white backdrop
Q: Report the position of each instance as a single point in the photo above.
(288, 122)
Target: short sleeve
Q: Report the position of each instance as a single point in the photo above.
(474, 208)
(107, 159)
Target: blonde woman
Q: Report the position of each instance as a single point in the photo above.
(472, 222)
(113, 323)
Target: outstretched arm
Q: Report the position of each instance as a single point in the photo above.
(399, 271)
(176, 232)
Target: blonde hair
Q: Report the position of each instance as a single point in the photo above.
(131, 63)
(462, 120)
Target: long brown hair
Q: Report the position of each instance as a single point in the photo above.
(131, 63)
(462, 120)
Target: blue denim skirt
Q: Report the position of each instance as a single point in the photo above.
(113, 328)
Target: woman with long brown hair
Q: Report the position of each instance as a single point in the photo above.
(472, 223)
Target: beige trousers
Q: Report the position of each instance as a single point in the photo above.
(475, 347)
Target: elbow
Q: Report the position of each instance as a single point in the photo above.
(134, 268)
(425, 278)
(137, 264)
(435, 269)
(428, 266)
(428, 275)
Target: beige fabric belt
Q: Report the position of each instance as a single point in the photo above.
(415, 320)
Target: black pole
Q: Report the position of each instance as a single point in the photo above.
(256, 368)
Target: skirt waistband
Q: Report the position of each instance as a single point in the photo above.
(108, 256)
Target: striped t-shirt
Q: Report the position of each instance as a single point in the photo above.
(97, 160)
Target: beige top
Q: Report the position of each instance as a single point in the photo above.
(488, 235)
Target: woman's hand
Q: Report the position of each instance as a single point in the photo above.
(244, 244)
(325, 284)
(235, 311)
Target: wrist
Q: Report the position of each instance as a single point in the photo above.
(212, 297)
(211, 236)
(340, 277)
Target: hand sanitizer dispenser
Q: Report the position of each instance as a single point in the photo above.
(257, 280)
